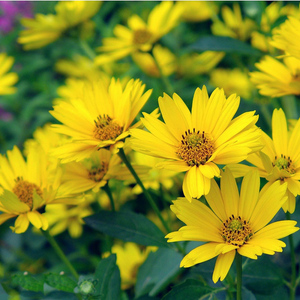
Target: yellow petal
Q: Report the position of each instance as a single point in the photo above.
(223, 264)
(21, 224)
(279, 132)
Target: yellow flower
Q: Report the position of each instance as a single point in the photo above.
(7, 80)
(100, 118)
(195, 142)
(234, 25)
(279, 160)
(163, 56)
(139, 35)
(234, 222)
(277, 79)
(45, 29)
(232, 81)
(27, 186)
(195, 64)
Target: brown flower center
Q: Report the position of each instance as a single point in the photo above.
(236, 231)
(24, 191)
(196, 148)
(141, 36)
(97, 173)
(106, 129)
(284, 163)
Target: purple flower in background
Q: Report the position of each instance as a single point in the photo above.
(11, 11)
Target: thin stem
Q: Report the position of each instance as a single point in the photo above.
(110, 196)
(87, 49)
(238, 263)
(293, 284)
(60, 253)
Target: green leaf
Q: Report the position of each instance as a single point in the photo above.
(191, 289)
(28, 282)
(129, 227)
(262, 276)
(225, 44)
(108, 276)
(157, 271)
(60, 282)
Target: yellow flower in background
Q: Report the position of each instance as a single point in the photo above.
(195, 142)
(129, 259)
(197, 11)
(233, 222)
(45, 29)
(232, 81)
(279, 160)
(234, 25)
(193, 64)
(27, 186)
(166, 60)
(140, 35)
(277, 78)
(100, 118)
(7, 80)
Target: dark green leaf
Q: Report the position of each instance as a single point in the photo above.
(3, 294)
(28, 282)
(191, 289)
(108, 276)
(157, 271)
(60, 282)
(225, 44)
(129, 227)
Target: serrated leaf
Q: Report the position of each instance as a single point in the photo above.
(108, 276)
(129, 227)
(27, 282)
(157, 271)
(60, 282)
(224, 44)
(190, 289)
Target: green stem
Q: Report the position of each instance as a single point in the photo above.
(87, 49)
(238, 263)
(60, 253)
(110, 196)
(293, 284)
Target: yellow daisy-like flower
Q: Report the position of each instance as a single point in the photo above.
(279, 160)
(100, 118)
(234, 222)
(139, 35)
(195, 142)
(234, 25)
(277, 79)
(27, 186)
(7, 80)
(45, 29)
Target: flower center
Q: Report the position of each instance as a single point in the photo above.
(283, 163)
(24, 191)
(141, 36)
(196, 148)
(106, 128)
(97, 173)
(236, 231)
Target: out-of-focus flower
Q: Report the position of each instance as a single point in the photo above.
(279, 160)
(234, 222)
(234, 25)
(165, 59)
(129, 258)
(197, 11)
(195, 142)
(139, 35)
(100, 118)
(232, 81)
(277, 78)
(7, 80)
(10, 11)
(190, 65)
(45, 29)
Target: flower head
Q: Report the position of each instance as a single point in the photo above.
(100, 118)
(233, 222)
(7, 80)
(195, 142)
